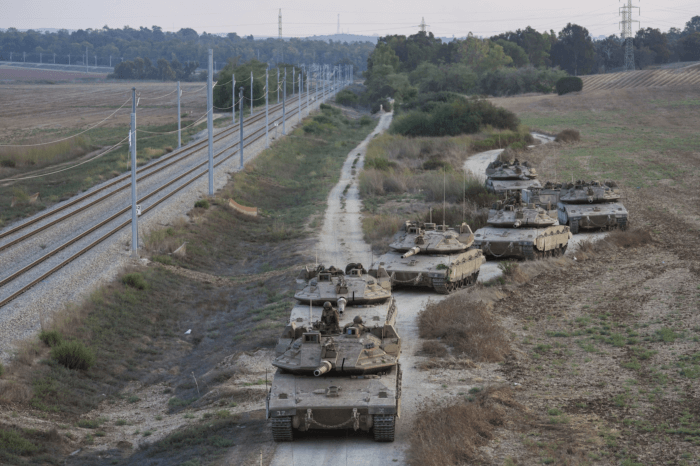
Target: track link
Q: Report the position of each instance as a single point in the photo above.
(384, 427)
(282, 429)
(573, 226)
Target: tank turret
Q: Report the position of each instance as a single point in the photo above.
(429, 238)
(498, 170)
(319, 284)
(517, 215)
(589, 193)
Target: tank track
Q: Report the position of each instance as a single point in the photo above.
(440, 286)
(622, 223)
(573, 226)
(384, 427)
(282, 429)
(529, 252)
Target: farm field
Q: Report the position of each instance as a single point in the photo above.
(12, 74)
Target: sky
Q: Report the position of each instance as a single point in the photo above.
(445, 18)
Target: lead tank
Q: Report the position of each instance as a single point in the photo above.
(337, 368)
(504, 176)
(430, 255)
(519, 230)
(318, 284)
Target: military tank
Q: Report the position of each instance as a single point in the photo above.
(337, 368)
(503, 177)
(591, 205)
(430, 255)
(519, 230)
(318, 284)
(581, 204)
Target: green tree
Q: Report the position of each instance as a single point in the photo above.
(515, 52)
(574, 51)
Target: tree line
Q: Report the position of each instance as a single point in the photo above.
(185, 45)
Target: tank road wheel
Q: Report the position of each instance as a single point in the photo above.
(384, 428)
(282, 429)
(573, 226)
(622, 223)
(529, 252)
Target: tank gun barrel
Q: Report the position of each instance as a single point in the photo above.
(342, 302)
(322, 369)
(411, 252)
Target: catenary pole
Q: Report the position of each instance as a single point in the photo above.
(267, 115)
(240, 125)
(134, 213)
(251, 94)
(233, 99)
(307, 95)
(278, 85)
(299, 122)
(179, 123)
(210, 120)
(284, 103)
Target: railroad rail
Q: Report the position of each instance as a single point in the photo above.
(162, 163)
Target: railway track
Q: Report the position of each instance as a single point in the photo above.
(103, 193)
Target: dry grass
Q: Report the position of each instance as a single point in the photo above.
(568, 135)
(468, 327)
(616, 239)
(434, 349)
(41, 156)
(450, 433)
(379, 229)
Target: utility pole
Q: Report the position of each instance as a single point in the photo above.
(267, 121)
(627, 34)
(240, 125)
(54, 58)
(251, 93)
(179, 136)
(278, 84)
(422, 25)
(233, 99)
(40, 57)
(307, 95)
(210, 120)
(338, 30)
(110, 61)
(87, 60)
(134, 211)
(294, 70)
(284, 103)
(69, 58)
(299, 122)
(24, 57)
(95, 61)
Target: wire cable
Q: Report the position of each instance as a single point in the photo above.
(69, 137)
(161, 97)
(117, 145)
(196, 122)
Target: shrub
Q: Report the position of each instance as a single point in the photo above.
(11, 441)
(568, 135)
(202, 203)
(434, 349)
(74, 355)
(365, 121)
(382, 103)
(2, 370)
(135, 280)
(569, 84)
(346, 97)
(51, 337)
(9, 163)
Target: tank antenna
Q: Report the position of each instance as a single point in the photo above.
(464, 198)
(311, 300)
(444, 181)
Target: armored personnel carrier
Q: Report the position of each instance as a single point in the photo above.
(520, 230)
(503, 176)
(591, 205)
(320, 284)
(430, 255)
(581, 204)
(337, 368)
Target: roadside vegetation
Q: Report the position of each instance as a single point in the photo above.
(171, 327)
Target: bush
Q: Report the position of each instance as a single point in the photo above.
(568, 135)
(74, 355)
(202, 203)
(9, 163)
(11, 441)
(365, 121)
(135, 280)
(453, 118)
(346, 97)
(383, 104)
(51, 337)
(569, 84)
(2, 370)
